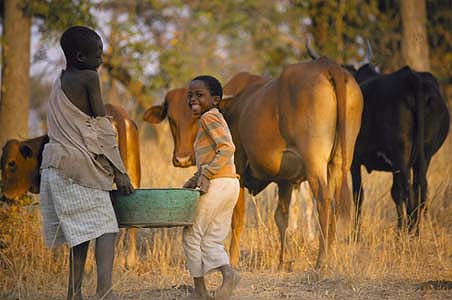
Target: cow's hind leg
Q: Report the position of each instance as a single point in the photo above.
(309, 218)
(323, 196)
(238, 220)
(282, 215)
(127, 243)
(358, 197)
(399, 193)
(420, 196)
(131, 260)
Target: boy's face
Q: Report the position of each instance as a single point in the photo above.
(199, 98)
(91, 56)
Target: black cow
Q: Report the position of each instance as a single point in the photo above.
(405, 121)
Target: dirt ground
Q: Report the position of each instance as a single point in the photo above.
(260, 286)
(266, 286)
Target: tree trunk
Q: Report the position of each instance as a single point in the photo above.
(15, 87)
(415, 48)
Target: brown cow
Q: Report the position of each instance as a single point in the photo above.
(21, 160)
(299, 126)
(20, 164)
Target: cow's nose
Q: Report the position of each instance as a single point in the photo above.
(183, 161)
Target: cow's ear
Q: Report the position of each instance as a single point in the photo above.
(226, 102)
(155, 114)
(26, 151)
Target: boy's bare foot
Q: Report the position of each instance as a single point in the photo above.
(200, 291)
(231, 279)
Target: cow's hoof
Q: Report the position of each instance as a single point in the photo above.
(287, 266)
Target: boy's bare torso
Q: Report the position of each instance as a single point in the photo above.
(82, 88)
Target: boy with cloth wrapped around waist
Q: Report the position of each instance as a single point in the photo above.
(80, 164)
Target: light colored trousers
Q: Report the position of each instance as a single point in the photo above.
(204, 240)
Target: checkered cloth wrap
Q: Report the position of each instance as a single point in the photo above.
(72, 213)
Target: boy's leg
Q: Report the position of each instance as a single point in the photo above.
(105, 253)
(77, 259)
(192, 248)
(192, 236)
(212, 245)
(230, 280)
(200, 292)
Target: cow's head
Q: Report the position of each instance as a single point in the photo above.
(183, 124)
(366, 69)
(20, 164)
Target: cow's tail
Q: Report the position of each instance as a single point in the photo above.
(420, 162)
(420, 125)
(343, 201)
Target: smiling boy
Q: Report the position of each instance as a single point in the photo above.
(218, 183)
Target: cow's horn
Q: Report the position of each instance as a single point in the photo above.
(226, 97)
(369, 53)
(311, 52)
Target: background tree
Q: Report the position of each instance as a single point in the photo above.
(439, 28)
(17, 20)
(15, 88)
(415, 47)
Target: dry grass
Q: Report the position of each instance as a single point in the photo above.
(380, 266)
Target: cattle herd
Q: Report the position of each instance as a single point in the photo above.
(315, 122)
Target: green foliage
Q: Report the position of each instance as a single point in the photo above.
(216, 37)
(439, 16)
(164, 43)
(56, 15)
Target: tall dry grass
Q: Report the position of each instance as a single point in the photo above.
(28, 270)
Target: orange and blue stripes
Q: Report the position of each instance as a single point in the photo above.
(214, 148)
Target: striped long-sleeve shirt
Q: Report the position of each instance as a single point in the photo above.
(214, 149)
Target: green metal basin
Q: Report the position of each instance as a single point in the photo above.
(156, 207)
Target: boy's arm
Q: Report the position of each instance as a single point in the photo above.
(122, 181)
(120, 178)
(92, 86)
(93, 92)
(191, 183)
(224, 147)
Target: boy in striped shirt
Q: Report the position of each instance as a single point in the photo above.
(218, 183)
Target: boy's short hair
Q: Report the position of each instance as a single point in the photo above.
(75, 38)
(212, 83)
